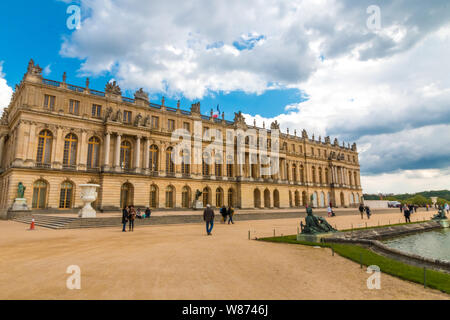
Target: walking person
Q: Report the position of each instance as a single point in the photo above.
(368, 212)
(361, 210)
(132, 217)
(447, 208)
(223, 212)
(330, 211)
(124, 218)
(230, 213)
(407, 214)
(148, 212)
(208, 217)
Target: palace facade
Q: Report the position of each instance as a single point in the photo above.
(55, 136)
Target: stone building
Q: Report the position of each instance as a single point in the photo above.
(55, 136)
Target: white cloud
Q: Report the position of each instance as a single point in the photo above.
(387, 90)
(5, 90)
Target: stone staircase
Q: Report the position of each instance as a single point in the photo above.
(59, 222)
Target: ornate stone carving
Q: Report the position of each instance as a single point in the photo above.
(113, 88)
(354, 147)
(108, 114)
(275, 125)
(137, 120)
(33, 69)
(304, 134)
(336, 143)
(195, 108)
(141, 94)
(327, 140)
(239, 118)
(147, 121)
(118, 117)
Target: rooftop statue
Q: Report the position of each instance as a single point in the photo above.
(34, 69)
(141, 94)
(315, 224)
(239, 118)
(195, 108)
(275, 125)
(113, 88)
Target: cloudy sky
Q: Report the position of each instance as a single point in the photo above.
(371, 72)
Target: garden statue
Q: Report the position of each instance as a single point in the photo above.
(21, 190)
(198, 194)
(315, 224)
(441, 214)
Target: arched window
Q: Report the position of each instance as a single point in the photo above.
(169, 163)
(70, 150)
(93, 153)
(327, 180)
(153, 161)
(153, 196)
(186, 197)
(297, 199)
(170, 197)
(44, 151)
(66, 195)
(206, 196)
(231, 197)
(315, 200)
(126, 195)
(125, 155)
(257, 198)
(322, 199)
(320, 176)
(276, 199)
(290, 199)
(266, 198)
(219, 197)
(39, 195)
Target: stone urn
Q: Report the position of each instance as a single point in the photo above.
(88, 195)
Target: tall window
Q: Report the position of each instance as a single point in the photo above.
(302, 174)
(170, 197)
(219, 197)
(126, 195)
(153, 196)
(70, 150)
(218, 166)
(313, 174)
(205, 196)
(125, 155)
(185, 162)
(44, 151)
(170, 125)
(229, 167)
(49, 102)
(65, 197)
(74, 106)
(127, 116)
(155, 122)
(96, 110)
(186, 197)
(187, 126)
(231, 197)
(294, 173)
(327, 181)
(320, 176)
(153, 158)
(169, 162)
(205, 165)
(356, 180)
(39, 195)
(93, 153)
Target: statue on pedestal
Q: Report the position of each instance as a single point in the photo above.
(20, 203)
(21, 190)
(315, 224)
(440, 215)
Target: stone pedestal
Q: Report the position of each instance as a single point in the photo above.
(444, 223)
(198, 205)
(314, 237)
(88, 195)
(20, 204)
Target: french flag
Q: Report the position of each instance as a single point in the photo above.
(216, 113)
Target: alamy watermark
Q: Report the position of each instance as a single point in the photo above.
(374, 281)
(74, 20)
(374, 20)
(74, 281)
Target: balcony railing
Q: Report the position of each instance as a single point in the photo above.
(97, 93)
(129, 100)
(51, 83)
(43, 165)
(75, 88)
(69, 167)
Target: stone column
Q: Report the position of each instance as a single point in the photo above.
(18, 150)
(30, 155)
(117, 166)
(137, 155)
(146, 154)
(2, 145)
(58, 149)
(82, 155)
(106, 146)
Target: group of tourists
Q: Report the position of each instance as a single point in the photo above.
(208, 217)
(362, 208)
(129, 214)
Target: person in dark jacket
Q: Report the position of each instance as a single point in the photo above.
(368, 212)
(148, 212)
(223, 212)
(208, 217)
(230, 213)
(124, 218)
(407, 214)
(131, 218)
(361, 210)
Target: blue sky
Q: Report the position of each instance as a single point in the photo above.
(311, 65)
(36, 29)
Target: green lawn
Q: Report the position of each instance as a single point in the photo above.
(434, 279)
